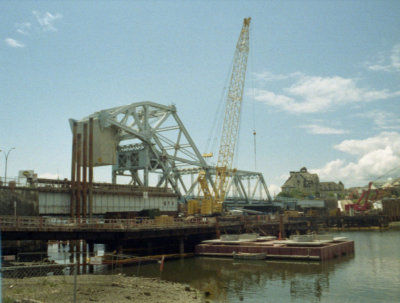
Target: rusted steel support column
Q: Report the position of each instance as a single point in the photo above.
(217, 231)
(90, 167)
(84, 256)
(78, 176)
(181, 246)
(281, 227)
(71, 254)
(114, 177)
(78, 255)
(91, 254)
(73, 166)
(84, 168)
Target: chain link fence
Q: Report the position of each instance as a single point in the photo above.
(38, 282)
(61, 283)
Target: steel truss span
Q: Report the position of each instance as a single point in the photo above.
(155, 149)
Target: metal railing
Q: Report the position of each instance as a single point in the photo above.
(9, 223)
(52, 223)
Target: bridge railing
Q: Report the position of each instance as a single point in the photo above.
(67, 223)
(35, 223)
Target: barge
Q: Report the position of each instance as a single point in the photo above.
(303, 247)
(249, 256)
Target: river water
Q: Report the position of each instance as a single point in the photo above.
(371, 275)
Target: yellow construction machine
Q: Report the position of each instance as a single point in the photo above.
(212, 201)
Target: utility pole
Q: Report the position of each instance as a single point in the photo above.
(5, 170)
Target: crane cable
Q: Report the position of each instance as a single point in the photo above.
(216, 128)
(387, 174)
(251, 56)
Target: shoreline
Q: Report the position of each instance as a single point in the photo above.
(97, 288)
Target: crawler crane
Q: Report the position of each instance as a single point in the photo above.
(213, 200)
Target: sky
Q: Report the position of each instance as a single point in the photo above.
(322, 87)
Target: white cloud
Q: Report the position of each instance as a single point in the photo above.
(323, 130)
(267, 76)
(50, 176)
(363, 147)
(23, 28)
(388, 63)
(285, 102)
(318, 94)
(395, 57)
(376, 156)
(274, 189)
(330, 171)
(47, 20)
(14, 43)
(382, 119)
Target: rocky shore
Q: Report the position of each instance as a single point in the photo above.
(97, 288)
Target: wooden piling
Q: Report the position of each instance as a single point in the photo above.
(73, 166)
(84, 170)
(90, 167)
(78, 176)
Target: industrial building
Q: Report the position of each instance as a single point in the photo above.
(309, 184)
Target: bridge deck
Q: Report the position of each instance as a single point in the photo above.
(104, 230)
(56, 228)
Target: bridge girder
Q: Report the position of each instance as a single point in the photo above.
(155, 148)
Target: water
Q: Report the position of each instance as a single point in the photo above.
(371, 275)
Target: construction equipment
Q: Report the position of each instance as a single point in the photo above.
(212, 203)
(362, 203)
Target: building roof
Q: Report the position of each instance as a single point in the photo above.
(303, 173)
(330, 186)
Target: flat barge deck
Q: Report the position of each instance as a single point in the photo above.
(294, 248)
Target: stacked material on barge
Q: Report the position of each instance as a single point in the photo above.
(307, 247)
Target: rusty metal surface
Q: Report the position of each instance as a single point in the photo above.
(84, 171)
(90, 167)
(102, 230)
(73, 169)
(326, 252)
(122, 189)
(78, 182)
(12, 223)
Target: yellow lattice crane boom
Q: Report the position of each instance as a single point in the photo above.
(230, 130)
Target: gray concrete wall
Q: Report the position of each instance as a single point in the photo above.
(23, 202)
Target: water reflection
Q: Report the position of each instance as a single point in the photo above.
(372, 275)
(228, 280)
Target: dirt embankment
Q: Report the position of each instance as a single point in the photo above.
(97, 288)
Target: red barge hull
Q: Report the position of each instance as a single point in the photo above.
(323, 252)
